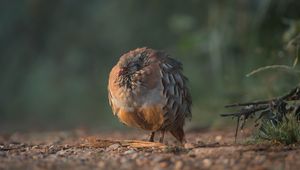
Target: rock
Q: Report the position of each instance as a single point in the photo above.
(259, 159)
(232, 162)
(192, 155)
(113, 147)
(134, 155)
(178, 165)
(141, 161)
(61, 152)
(101, 164)
(225, 161)
(66, 146)
(189, 146)
(218, 138)
(158, 158)
(164, 164)
(51, 147)
(207, 163)
(130, 151)
(2, 154)
(124, 160)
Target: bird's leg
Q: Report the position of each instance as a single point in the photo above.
(162, 135)
(151, 139)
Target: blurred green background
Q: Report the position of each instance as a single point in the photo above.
(55, 56)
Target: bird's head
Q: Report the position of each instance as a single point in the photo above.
(132, 61)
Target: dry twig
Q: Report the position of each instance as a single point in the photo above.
(248, 110)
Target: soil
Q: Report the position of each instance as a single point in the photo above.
(80, 149)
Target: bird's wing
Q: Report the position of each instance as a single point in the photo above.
(176, 92)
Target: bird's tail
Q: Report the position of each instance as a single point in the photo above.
(178, 133)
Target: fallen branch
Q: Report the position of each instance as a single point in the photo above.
(96, 142)
(263, 108)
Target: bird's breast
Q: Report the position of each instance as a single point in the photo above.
(138, 97)
(139, 107)
(147, 118)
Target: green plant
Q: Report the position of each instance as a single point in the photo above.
(286, 132)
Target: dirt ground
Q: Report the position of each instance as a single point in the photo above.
(80, 149)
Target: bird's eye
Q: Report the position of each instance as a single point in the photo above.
(133, 64)
(137, 65)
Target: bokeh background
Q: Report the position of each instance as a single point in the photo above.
(55, 55)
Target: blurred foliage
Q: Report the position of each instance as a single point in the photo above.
(55, 55)
(286, 132)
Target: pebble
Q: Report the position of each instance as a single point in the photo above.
(51, 147)
(218, 138)
(113, 147)
(130, 151)
(189, 146)
(178, 165)
(101, 164)
(164, 164)
(232, 162)
(259, 159)
(134, 155)
(225, 161)
(207, 163)
(2, 154)
(192, 155)
(61, 152)
(141, 161)
(124, 160)
(66, 146)
(159, 159)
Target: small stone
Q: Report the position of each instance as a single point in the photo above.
(130, 151)
(61, 152)
(192, 155)
(66, 146)
(158, 159)
(101, 164)
(178, 165)
(164, 164)
(232, 162)
(113, 147)
(87, 154)
(141, 161)
(207, 163)
(189, 146)
(218, 138)
(2, 154)
(225, 161)
(124, 160)
(259, 159)
(134, 155)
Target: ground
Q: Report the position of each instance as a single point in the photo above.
(79, 149)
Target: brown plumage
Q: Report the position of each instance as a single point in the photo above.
(147, 90)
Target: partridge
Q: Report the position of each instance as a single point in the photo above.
(147, 90)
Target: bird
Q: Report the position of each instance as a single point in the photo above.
(147, 90)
